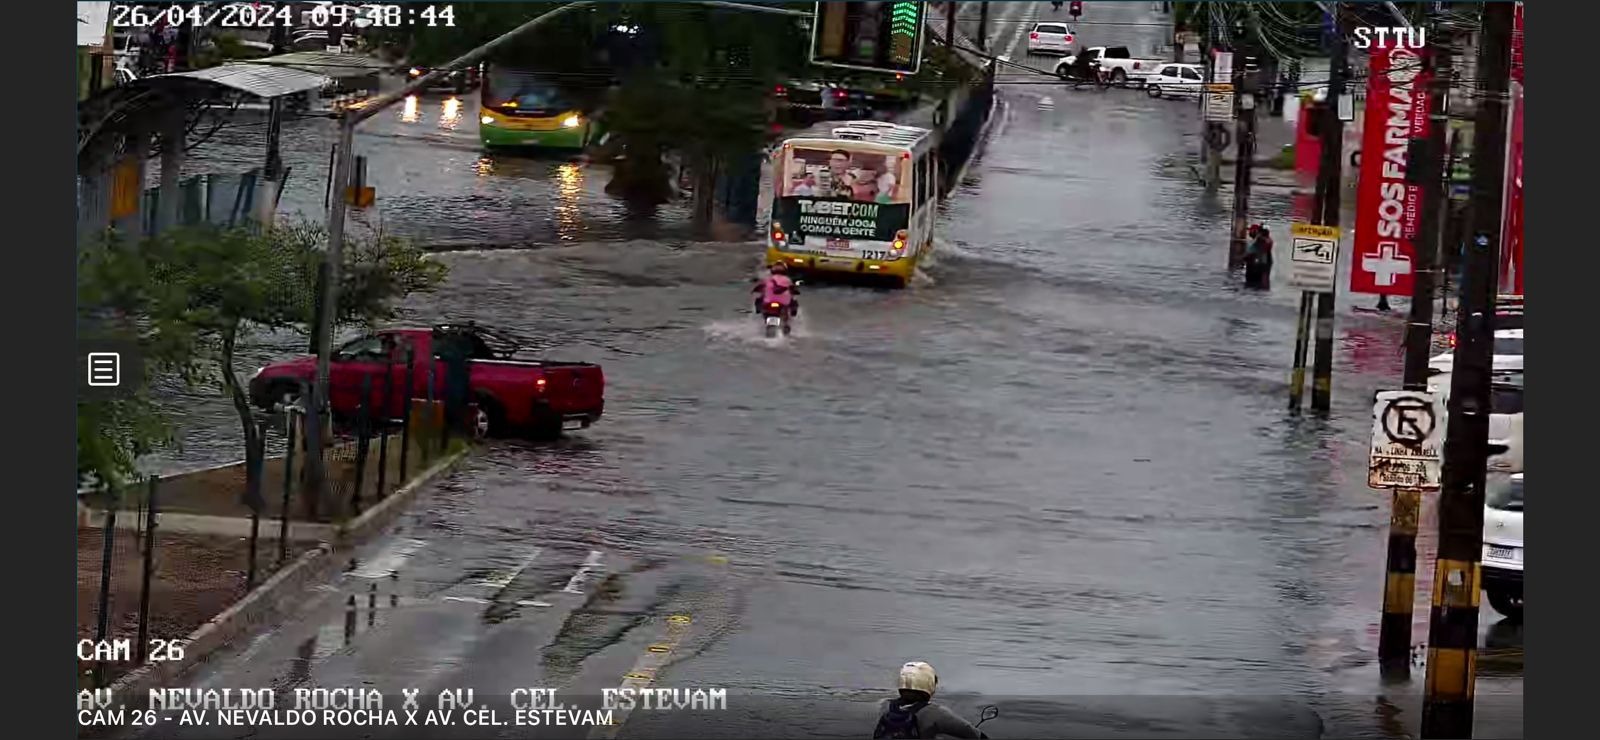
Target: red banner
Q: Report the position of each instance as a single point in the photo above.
(1307, 157)
(1388, 207)
(1511, 236)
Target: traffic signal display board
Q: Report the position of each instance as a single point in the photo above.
(877, 36)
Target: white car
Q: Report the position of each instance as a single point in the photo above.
(1175, 80)
(1056, 38)
(1505, 418)
(1503, 544)
(1507, 354)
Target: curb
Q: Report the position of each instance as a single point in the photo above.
(270, 598)
(376, 518)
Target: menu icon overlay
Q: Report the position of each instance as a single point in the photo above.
(105, 369)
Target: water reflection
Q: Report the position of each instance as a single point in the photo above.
(484, 166)
(412, 112)
(569, 187)
(451, 115)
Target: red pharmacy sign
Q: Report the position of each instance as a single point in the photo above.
(1388, 206)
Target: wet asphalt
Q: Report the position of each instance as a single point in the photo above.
(1059, 466)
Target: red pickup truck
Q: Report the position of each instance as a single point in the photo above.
(509, 395)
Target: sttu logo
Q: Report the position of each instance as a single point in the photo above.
(1400, 37)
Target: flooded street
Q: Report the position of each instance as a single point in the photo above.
(1058, 467)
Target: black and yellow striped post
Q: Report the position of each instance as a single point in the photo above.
(1447, 710)
(1399, 585)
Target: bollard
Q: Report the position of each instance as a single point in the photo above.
(109, 540)
(149, 567)
(362, 435)
(288, 484)
(405, 421)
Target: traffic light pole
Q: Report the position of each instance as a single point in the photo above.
(1447, 710)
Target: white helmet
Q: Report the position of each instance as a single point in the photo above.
(919, 676)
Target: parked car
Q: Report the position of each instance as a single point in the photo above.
(1507, 354)
(1505, 418)
(1175, 80)
(1503, 544)
(1054, 38)
(510, 395)
(457, 81)
(1115, 61)
(1508, 314)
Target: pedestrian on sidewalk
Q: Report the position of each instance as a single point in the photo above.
(1258, 258)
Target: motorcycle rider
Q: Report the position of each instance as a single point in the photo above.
(1084, 69)
(777, 288)
(914, 714)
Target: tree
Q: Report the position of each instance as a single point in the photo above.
(194, 294)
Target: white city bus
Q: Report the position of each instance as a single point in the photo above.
(855, 197)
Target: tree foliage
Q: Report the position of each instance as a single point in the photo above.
(189, 297)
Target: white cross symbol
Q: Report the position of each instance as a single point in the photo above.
(1385, 264)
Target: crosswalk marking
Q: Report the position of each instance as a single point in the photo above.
(504, 579)
(591, 565)
(389, 559)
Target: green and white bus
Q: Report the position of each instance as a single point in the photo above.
(520, 109)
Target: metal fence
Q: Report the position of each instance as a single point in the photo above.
(159, 559)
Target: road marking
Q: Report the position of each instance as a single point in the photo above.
(1017, 26)
(591, 565)
(389, 559)
(499, 582)
(468, 599)
(532, 602)
(644, 670)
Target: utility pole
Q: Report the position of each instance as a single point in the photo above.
(1329, 186)
(950, 24)
(1244, 157)
(280, 38)
(1399, 595)
(1213, 131)
(1447, 709)
(983, 26)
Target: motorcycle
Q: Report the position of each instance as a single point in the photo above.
(1097, 77)
(776, 316)
(1055, 4)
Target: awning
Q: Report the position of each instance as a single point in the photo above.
(325, 63)
(256, 79)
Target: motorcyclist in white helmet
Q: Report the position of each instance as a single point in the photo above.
(913, 713)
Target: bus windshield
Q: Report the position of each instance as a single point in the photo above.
(867, 177)
(508, 90)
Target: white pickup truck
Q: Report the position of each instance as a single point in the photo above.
(1117, 62)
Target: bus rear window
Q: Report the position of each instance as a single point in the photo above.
(868, 177)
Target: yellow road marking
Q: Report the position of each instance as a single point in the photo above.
(654, 657)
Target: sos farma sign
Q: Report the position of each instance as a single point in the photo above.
(1388, 205)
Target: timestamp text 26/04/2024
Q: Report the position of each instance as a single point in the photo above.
(246, 15)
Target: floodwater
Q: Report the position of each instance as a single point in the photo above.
(1059, 467)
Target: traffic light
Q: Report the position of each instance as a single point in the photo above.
(877, 36)
(1076, 8)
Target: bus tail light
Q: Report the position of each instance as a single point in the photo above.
(778, 237)
(899, 241)
(538, 385)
